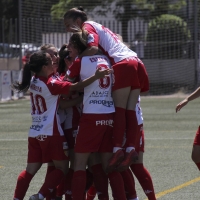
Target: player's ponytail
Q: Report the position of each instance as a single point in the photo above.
(37, 60)
(26, 77)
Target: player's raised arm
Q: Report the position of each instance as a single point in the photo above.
(99, 74)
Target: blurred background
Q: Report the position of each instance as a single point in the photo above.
(164, 33)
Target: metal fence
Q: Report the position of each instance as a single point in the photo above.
(175, 52)
(36, 31)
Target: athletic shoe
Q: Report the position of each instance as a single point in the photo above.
(115, 160)
(35, 197)
(130, 157)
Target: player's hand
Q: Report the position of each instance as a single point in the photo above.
(102, 73)
(181, 104)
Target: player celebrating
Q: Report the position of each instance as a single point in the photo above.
(95, 127)
(46, 140)
(126, 85)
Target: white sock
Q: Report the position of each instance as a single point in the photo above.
(115, 149)
(129, 149)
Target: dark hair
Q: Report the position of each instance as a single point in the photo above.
(75, 13)
(44, 47)
(80, 8)
(37, 60)
(63, 53)
(78, 40)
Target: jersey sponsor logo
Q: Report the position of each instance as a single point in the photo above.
(36, 127)
(99, 94)
(103, 102)
(90, 38)
(95, 59)
(36, 88)
(39, 118)
(105, 122)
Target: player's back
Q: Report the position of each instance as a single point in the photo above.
(97, 96)
(109, 42)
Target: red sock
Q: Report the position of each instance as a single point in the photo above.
(144, 179)
(129, 184)
(60, 188)
(91, 193)
(117, 185)
(198, 165)
(78, 185)
(52, 195)
(89, 179)
(119, 126)
(100, 181)
(23, 181)
(51, 181)
(131, 128)
(68, 184)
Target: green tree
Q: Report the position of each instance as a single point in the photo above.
(167, 37)
(124, 10)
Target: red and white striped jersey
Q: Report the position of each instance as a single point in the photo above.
(107, 41)
(44, 95)
(97, 96)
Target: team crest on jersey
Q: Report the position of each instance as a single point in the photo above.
(90, 38)
(104, 82)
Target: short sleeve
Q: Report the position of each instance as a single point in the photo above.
(57, 87)
(74, 70)
(93, 38)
